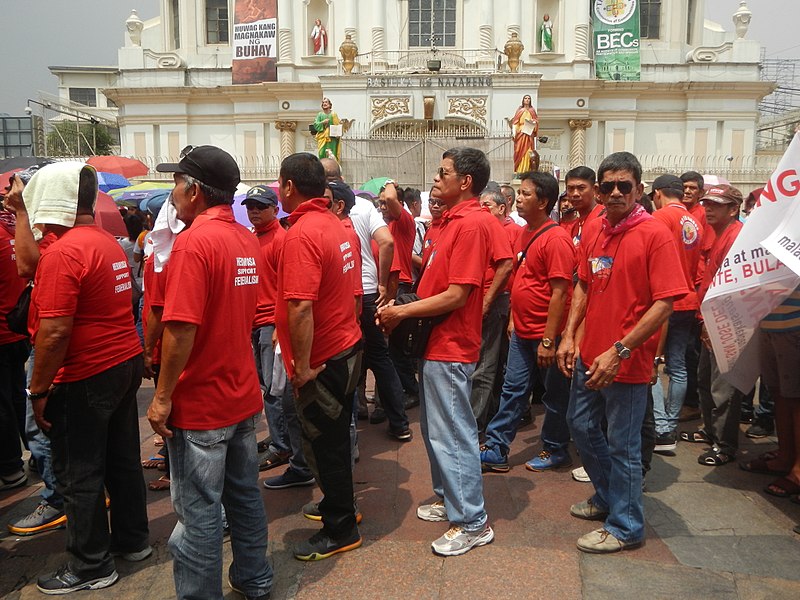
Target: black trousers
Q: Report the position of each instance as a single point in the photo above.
(12, 404)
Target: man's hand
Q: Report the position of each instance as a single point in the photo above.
(303, 376)
(485, 308)
(383, 296)
(157, 413)
(545, 357)
(388, 317)
(603, 370)
(13, 200)
(565, 357)
(38, 413)
(148, 365)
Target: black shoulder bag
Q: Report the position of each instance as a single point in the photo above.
(17, 317)
(521, 256)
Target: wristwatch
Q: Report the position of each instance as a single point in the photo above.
(547, 343)
(38, 395)
(659, 360)
(622, 351)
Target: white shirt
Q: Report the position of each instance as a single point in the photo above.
(366, 221)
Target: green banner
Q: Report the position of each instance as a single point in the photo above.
(616, 39)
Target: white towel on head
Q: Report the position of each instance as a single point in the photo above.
(165, 229)
(51, 195)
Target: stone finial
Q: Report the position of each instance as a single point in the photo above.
(741, 19)
(134, 25)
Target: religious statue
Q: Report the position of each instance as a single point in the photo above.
(319, 38)
(348, 50)
(513, 50)
(546, 35)
(525, 126)
(327, 139)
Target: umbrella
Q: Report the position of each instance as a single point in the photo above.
(147, 186)
(106, 215)
(121, 165)
(374, 185)
(111, 181)
(712, 180)
(23, 162)
(154, 201)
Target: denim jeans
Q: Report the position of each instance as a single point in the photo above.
(614, 460)
(667, 409)
(12, 404)
(450, 433)
(211, 469)
(376, 357)
(521, 374)
(765, 410)
(95, 444)
(720, 403)
(486, 371)
(325, 410)
(273, 407)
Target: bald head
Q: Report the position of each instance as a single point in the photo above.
(333, 171)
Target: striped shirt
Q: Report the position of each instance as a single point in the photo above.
(785, 317)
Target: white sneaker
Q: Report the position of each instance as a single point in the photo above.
(580, 474)
(456, 541)
(432, 512)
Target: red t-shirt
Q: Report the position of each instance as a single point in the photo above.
(270, 239)
(717, 254)
(212, 282)
(85, 275)
(688, 235)
(623, 280)
(355, 242)
(155, 289)
(698, 211)
(429, 241)
(403, 231)
(318, 264)
(459, 255)
(502, 247)
(577, 226)
(11, 285)
(551, 256)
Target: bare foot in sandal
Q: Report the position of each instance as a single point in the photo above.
(159, 485)
(154, 462)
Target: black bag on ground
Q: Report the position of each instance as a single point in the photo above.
(412, 335)
(17, 317)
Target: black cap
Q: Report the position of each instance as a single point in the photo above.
(263, 194)
(209, 164)
(341, 191)
(667, 181)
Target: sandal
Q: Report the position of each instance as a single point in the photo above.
(272, 459)
(154, 462)
(782, 488)
(159, 485)
(715, 458)
(759, 465)
(158, 442)
(263, 445)
(695, 437)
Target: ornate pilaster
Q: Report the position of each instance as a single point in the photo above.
(486, 35)
(577, 146)
(582, 41)
(287, 129)
(285, 54)
(379, 47)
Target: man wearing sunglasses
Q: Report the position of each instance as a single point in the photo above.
(624, 294)
(208, 398)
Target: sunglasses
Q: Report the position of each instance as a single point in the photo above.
(624, 187)
(435, 202)
(442, 173)
(253, 205)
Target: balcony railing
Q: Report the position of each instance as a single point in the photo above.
(426, 60)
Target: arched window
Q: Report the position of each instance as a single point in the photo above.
(431, 23)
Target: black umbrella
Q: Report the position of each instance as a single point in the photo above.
(22, 162)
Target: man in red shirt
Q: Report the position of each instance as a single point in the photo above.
(539, 302)
(451, 285)
(688, 235)
(623, 296)
(580, 191)
(208, 399)
(720, 402)
(321, 343)
(87, 371)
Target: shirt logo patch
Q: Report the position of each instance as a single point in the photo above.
(689, 233)
(601, 266)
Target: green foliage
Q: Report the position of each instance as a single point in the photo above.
(68, 138)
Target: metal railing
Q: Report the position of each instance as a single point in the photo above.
(424, 60)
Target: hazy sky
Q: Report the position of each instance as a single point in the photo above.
(42, 33)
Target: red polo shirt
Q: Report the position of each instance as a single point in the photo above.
(213, 280)
(11, 285)
(502, 247)
(635, 269)
(270, 239)
(319, 265)
(460, 255)
(155, 289)
(550, 256)
(717, 254)
(576, 227)
(403, 231)
(355, 243)
(688, 235)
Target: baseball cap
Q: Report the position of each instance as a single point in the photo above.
(209, 164)
(723, 194)
(668, 181)
(263, 194)
(341, 191)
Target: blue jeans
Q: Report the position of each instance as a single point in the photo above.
(521, 375)
(450, 433)
(613, 461)
(667, 409)
(273, 407)
(210, 469)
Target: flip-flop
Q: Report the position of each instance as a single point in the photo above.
(159, 485)
(759, 465)
(782, 488)
(153, 462)
(714, 458)
(695, 437)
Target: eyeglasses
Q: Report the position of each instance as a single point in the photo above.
(254, 205)
(442, 173)
(435, 202)
(624, 187)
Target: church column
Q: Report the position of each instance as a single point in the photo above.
(582, 41)
(287, 129)
(379, 34)
(285, 24)
(351, 20)
(514, 10)
(577, 146)
(486, 34)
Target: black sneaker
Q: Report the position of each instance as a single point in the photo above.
(761, 428)
(311, 511)
(321, 546)
(290, 478)
(666, 443)
(64, 581)
(402, 434)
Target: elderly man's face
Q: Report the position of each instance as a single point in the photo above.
(182, 198)
(447, 182)
(497, 210)
(618, 192)
(691, 193)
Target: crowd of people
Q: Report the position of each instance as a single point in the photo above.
(572, 300)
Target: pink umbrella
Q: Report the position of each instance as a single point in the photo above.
(106, 214)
